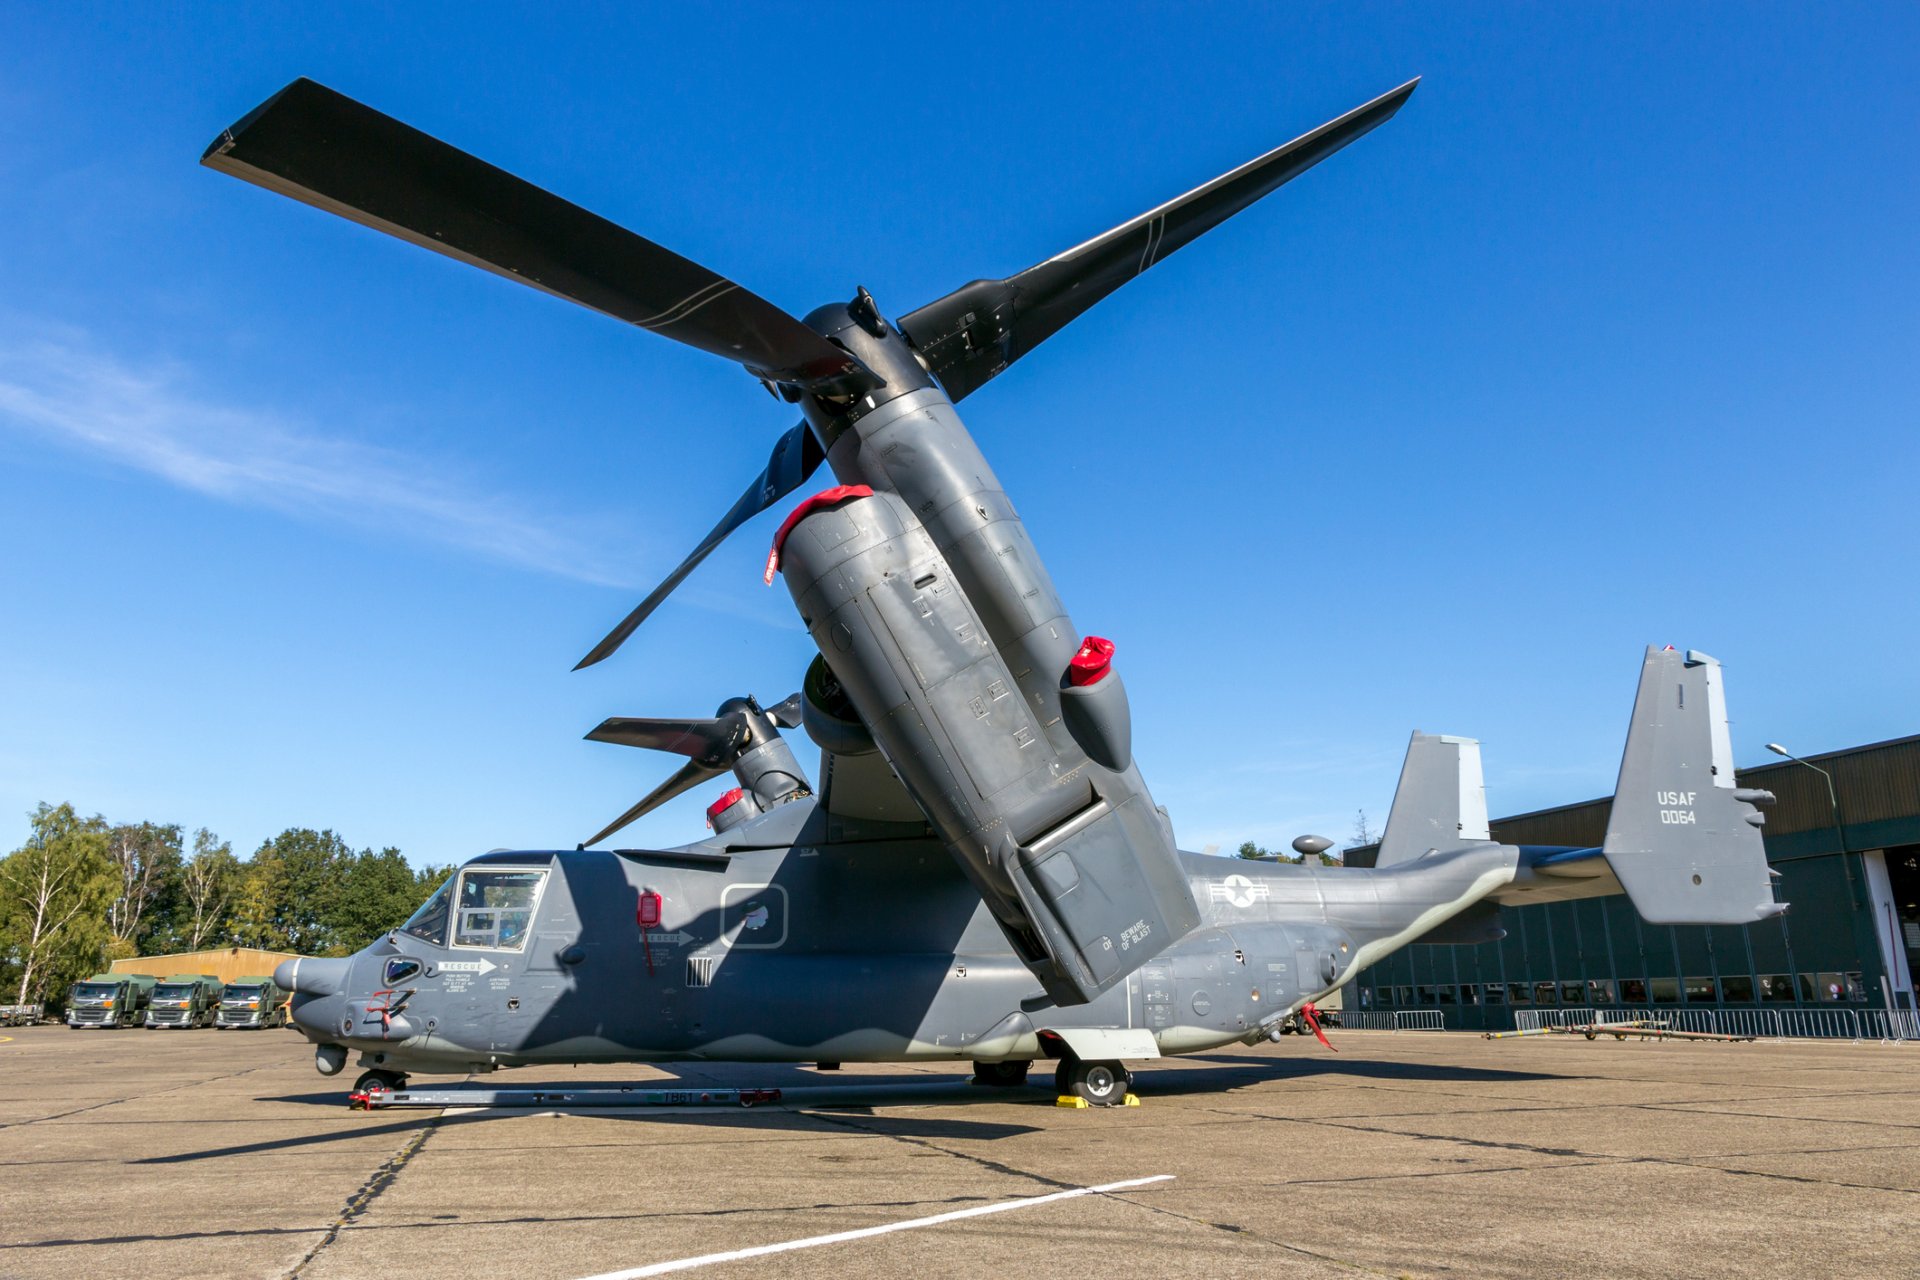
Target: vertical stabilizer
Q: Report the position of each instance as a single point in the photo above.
(1441, 802)
(1683, 839)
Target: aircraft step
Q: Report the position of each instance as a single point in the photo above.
(382, 1099)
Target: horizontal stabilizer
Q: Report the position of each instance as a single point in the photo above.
(1441, 802)
(1682, 839)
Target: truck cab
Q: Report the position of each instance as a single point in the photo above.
(252, 1003)
(184, 1000)
(109, 1000)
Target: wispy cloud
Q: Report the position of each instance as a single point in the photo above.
(151, 417)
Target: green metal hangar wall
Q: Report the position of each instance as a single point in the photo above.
(1849, 863)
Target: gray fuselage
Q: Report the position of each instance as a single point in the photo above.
(874, 951)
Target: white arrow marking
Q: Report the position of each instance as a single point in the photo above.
(673, 939)
(468, 966)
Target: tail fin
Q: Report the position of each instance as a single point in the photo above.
(1441, 802)
(1683, 839)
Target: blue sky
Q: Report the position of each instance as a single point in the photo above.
(1609, 338)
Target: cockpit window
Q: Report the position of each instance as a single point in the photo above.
(496, 907)
(430, 921)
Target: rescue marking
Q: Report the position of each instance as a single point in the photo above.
(468, 966)
(841, 1237)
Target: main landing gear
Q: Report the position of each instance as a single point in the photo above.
(1098, 1084)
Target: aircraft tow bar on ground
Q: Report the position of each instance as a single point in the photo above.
(379, 1099)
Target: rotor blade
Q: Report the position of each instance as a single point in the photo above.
(691, 775)
(795, 456)
(786, 714)
(326, 150)
(976, 331)
(709, 740)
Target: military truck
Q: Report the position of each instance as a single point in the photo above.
(184, 1000)
(253, 1002)
(109, 1000)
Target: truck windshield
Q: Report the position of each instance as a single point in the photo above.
(175, 992)
(94, 990)
(430, 921)
(235, 994)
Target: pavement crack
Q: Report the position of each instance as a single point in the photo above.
(1235, 1229)
(849, 1122)
(137, 1097)
(359, 1202)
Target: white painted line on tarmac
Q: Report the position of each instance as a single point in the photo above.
(841, 1237)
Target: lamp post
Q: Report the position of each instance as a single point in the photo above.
(1839, 824)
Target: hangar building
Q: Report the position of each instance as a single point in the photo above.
(1849, 863)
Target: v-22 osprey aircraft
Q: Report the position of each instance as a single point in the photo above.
(979, 872)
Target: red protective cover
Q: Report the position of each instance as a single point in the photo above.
(723, 804)
(1091, 664)
(824, 498)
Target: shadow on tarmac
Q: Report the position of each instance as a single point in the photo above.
(810, 1090)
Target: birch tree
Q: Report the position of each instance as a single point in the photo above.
(54, 895)
(147, 857)
(209, 886)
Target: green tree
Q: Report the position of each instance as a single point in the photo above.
(146, 858)
(1254, 853)
(55, 892)
(209, 885)
(378, 891)
(294, 888)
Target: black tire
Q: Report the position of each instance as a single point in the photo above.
(1063, 1076)
(1002, 1075)
(388, 1080)
(1100, 1084)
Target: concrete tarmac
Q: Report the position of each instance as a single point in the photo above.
(196, 1154)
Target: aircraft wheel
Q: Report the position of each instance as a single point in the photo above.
(1002, 1075)
(388, 1080)
(1102, 1084)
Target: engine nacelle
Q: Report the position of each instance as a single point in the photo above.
(955, 659)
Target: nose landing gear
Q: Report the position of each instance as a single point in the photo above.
(387, 1080)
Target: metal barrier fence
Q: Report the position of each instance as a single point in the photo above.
(1818, 1024)
(1765, 1024)
(1890, 1024)
(1394, 1020)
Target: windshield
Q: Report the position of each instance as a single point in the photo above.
(243, 993)
(496, 907)
(179, 991)
(430, 921)
(94, 991)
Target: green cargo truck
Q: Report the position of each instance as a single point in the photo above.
(109, 1000)
(184, 1000)
(252, 1002)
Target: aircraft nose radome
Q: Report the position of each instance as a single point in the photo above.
(311, 977)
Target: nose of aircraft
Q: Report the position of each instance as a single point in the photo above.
(311, 977)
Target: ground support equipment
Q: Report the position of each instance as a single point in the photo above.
(377, 1099)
